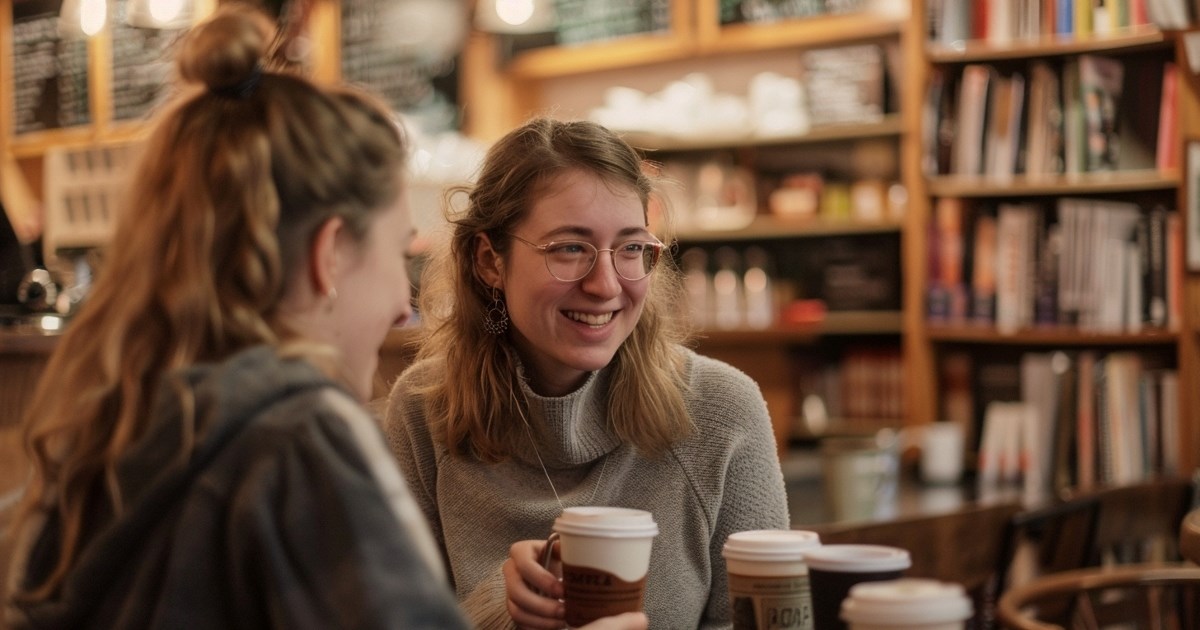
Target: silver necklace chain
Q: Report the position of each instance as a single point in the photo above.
(561, 506)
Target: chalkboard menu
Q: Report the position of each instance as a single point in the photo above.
(422, 86)
(142, 65)
(734, 11)
(582, 21)
(50, 71)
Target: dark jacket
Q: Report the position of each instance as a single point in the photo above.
(275, 521)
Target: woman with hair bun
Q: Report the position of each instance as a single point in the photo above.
(201, 455)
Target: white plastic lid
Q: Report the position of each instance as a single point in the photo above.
(906, 602)
(606, 522)
(770, 545)
(857, 558)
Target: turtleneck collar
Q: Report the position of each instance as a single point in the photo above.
(573, 429)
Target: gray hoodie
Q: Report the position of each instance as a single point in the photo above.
(287, 514)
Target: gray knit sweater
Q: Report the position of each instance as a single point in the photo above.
(723, 479)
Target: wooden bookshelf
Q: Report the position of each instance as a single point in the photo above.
(1141, 48)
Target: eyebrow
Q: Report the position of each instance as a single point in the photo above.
(576, 231)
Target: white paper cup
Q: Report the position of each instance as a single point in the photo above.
(606, 555)
(907, 604)
(768, 578)
(942, 453)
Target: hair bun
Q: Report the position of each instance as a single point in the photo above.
(227, 49)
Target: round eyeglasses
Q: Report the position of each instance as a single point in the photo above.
(570, 261)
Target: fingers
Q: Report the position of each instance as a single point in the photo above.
(532, 592)
(624, 621)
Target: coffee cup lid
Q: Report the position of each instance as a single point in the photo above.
(770, 545)
(857, 558)
(906, 602)
(606, 522)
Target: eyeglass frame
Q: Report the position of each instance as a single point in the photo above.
(654, 243)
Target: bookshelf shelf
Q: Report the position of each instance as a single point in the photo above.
(834, 323)
(799, 33)
(1051, 337)
(1074, 184)
(1124, 40)
(888, 126)
(626, 52)
(706, 41)
(772, 227)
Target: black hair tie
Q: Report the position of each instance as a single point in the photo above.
(244, 88)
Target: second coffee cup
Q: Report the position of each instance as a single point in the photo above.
(833, 569)
(605, 555)
(768, 580)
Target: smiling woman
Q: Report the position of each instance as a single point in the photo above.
(553, 378)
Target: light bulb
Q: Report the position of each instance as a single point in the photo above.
(514, 12)
(165, 11)
(92, 14)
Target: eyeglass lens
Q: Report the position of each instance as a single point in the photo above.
(572, 260)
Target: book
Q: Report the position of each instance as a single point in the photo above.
(1040, 391)
(1166, 151)
(1004, 125)
(1065, 454)
(983, 268)
(1085, 421)
(1100, 84)
(1155, 281)
(1174, 270)
(1045, 287)
(850, 80)
(1169, 430)
(1074, 124)
(1015, 253)
(1044, 122)
(971, 134)
(948, 217)
(1064, 17)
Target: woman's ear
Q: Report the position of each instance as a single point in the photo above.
(324, 257)
(489, 265)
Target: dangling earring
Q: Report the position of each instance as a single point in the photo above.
(330, 298)
(496, 320)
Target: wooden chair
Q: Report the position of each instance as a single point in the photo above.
(1165, 596)
(963, 547)
(1049, 539)
(1140, 522)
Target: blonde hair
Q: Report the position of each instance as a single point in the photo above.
(238, 174)
(480, 416)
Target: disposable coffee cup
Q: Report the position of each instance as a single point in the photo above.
(942, 453)
(768, 578)
(907, 604)
(605, 555)
(834, 569)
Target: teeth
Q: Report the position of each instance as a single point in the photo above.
(591, 320)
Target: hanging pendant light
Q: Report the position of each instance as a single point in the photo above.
(160, 14)
(515, 17)
(82, 17)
